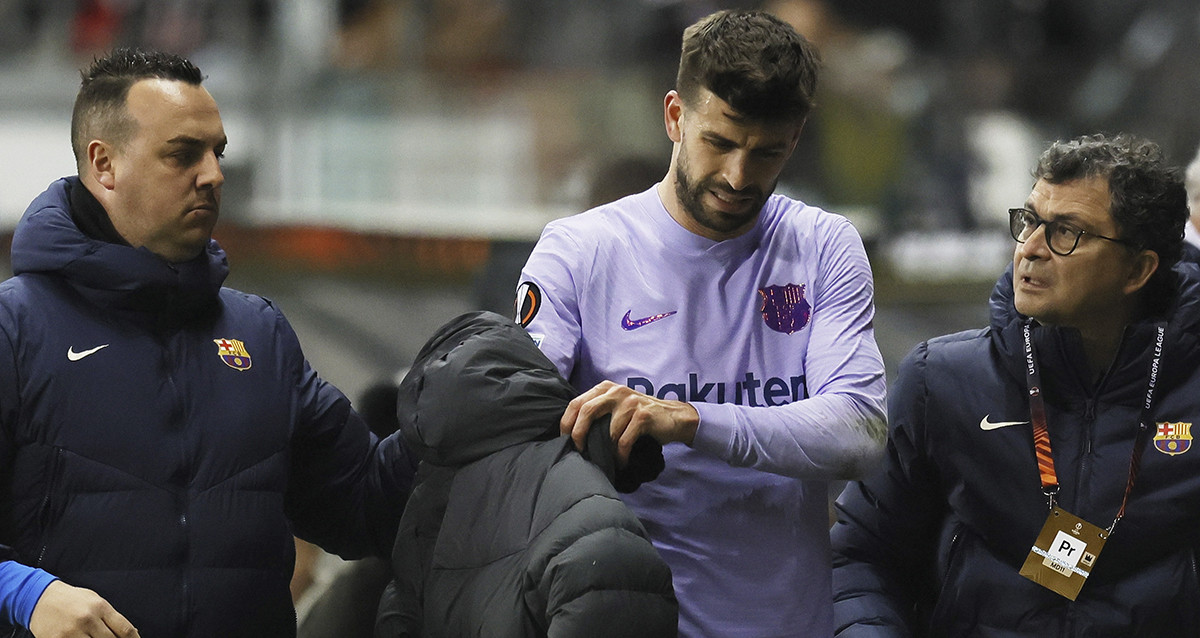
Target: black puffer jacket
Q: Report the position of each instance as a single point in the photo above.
(932, 544)
(510, 532)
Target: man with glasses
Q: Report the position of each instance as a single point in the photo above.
(1047, 458)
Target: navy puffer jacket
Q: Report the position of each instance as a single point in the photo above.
(162, 437)
(511, 533)
(932, 543)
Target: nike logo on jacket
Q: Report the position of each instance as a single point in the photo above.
(985, 424)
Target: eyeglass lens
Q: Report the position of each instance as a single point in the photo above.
(1061, 239)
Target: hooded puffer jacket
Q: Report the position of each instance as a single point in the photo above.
(510, 532)
(932, 544)
(162, 437)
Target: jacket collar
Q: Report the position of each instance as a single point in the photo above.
(1060, 350)
(112, 275)
(89, 215)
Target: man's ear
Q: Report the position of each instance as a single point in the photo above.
(100, 163)
(1143, 267)
(672, 112)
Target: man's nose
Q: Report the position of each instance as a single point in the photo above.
(210, 174)
(735, 172)
(1035, 245)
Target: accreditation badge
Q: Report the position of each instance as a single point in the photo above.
(1063, 555)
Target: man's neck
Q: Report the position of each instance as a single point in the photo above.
(1102, 339)
(1100, 352)
(670, 201)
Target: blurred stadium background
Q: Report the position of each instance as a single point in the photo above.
(391, 161)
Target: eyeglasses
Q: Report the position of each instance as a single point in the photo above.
(1061, 237)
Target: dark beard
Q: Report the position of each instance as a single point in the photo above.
(691, 198)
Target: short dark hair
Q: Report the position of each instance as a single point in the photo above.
(752, 60)
(1149, 202)
(100, 104)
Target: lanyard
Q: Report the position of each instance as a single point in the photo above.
(1041, 435)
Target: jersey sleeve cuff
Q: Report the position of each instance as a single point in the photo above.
(21, 587)
(715, 431)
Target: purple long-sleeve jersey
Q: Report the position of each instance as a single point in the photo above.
(769, 335)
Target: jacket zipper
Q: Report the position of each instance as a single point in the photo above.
(1195, 570)
(1089, 417)
(167, 341)
(936, 615)
(47, 502)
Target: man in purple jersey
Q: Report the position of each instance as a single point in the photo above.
(730, 324)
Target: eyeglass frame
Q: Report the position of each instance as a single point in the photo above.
(1051, 225)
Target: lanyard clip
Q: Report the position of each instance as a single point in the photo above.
(1050, 493)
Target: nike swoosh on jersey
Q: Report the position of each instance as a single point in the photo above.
(634, 324)
(985, 424)
(76, 356)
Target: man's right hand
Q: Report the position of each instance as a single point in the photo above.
(64, 611)
(633, 414)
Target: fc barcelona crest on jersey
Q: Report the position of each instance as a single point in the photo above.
(784, 308)
(1173, 438)
(233, 353)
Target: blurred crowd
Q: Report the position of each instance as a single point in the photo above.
(923, 109)
(920, 108)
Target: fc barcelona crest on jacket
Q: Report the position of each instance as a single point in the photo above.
(784, 308)
(233, 353)
(1173, 438)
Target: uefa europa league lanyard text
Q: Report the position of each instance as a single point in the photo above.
(1068, 546)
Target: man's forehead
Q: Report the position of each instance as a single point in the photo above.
(726, 124)
(1089, 188)
(1084, 197)
(182, 105)
(165, 90)
(714, 106)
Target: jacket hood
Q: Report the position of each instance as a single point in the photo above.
(47, 241)
(480, 385)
